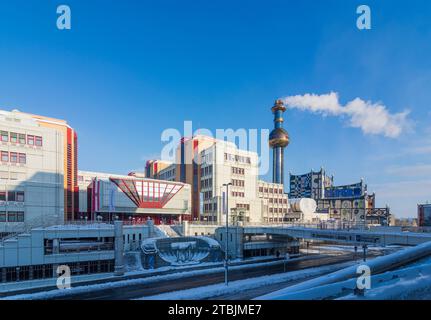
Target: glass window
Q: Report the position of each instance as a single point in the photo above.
(13, 157)
(20, 216)
(22, 158)
(38, 141)
(20, 196)
(4, 136)
(2, 196)
(14, 137)
(4, 156)
(30, 140)
(2, 216)
(11, 196)
(21, 138)
(11, 217)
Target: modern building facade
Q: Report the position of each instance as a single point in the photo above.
(33, 174)
(210, 164)
(350, 203)
(276, 203)
(153, 168)
(221, 164)
(309, 185)
(107, 196)
(84, 248)
(70, 162)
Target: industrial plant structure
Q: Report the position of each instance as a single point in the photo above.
(348, 203)
(278, 140)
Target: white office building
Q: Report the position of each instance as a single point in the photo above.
(31, 173)
(224, 163)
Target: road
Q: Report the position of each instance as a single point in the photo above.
(133, 291)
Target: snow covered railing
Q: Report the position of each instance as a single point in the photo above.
(330, 281)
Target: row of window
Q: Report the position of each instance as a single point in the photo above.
(238, 194)
(207, 183)
(277, 210)
(208, 207)
(237, 158)
(206, 171)
(13, 157)
(276, 200)
(238, 183)
(167, 175)
(133, 238)
(11, 216)
(271, 190)
(206, 157)
(14, 196)
(240, 171)
(243, 206)
(207, 195)
(21, 138)
(47, 271)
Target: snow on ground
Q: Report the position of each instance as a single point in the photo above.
(160, 233)
(323, 249)
(312, 287)
(123, 283)
(133, 268)
(408, 283)
(215, 290)
(73, 227)
(359, 249)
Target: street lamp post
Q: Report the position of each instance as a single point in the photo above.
(226, 258)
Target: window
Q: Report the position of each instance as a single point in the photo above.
(38, 141)
(11, 217)
(20, 196)
(13, 157)
(4, 136)
(22, 158)
(2, 196)
(11, 196)
(21, 138)
(2, 216)
(20, 216)
(4, 156)
(30, 140)
(14, 137)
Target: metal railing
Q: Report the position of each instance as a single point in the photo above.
(337, 225)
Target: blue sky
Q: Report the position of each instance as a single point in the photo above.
(130, 69)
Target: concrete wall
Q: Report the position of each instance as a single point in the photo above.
(190, 229)
(28, 249)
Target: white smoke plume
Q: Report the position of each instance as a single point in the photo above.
(371, 118)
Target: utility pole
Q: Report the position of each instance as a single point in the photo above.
(226, 257)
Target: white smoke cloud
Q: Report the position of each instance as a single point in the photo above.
(371, 118)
